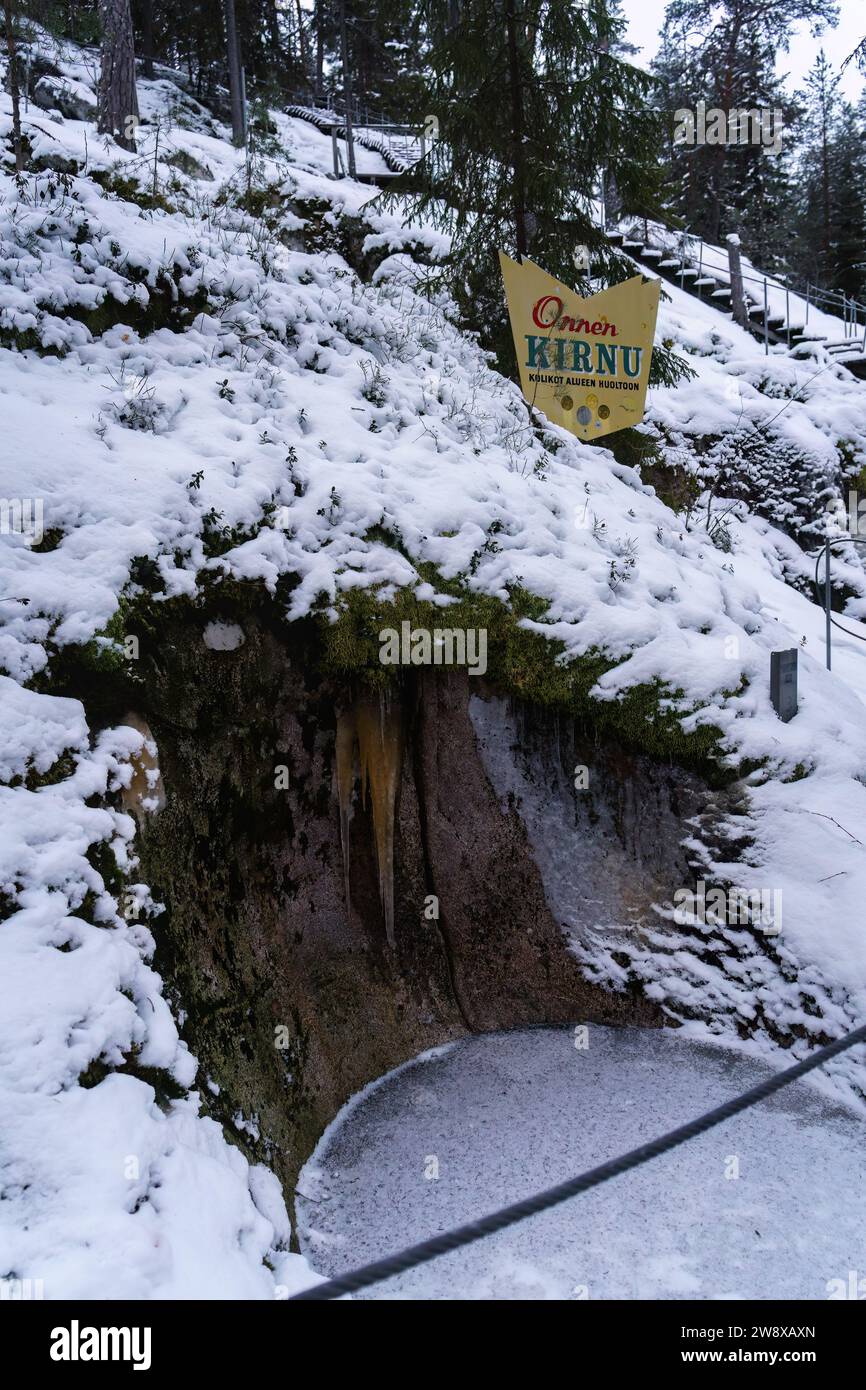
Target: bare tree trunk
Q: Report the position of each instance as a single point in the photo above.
(147, 36)
(517, 132)
(825, 190)
(302, 39)
(234, 57)
(13, 86)
(320, 49)
(738, 298)
(117, 112)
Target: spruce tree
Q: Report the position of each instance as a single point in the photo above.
(533, 102)
(821, 107)
(723, 53)
(847, 216)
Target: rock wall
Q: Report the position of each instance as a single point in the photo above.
(291, 1000)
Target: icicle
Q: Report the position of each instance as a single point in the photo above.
(376, 725)
(345, 756)
(379, 742)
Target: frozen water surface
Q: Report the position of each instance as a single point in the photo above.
(502, 1116)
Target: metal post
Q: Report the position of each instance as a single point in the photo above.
(347, 89)
(244, 116)
(828, 597)
(808, 287)
(766, 321)
(787, 317)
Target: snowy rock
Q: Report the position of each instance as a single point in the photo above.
(72, 99)
(223, 637)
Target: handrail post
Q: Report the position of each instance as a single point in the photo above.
(787, 316)
(766, 322)
(827, 596)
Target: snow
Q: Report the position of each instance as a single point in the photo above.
(223, 637)
(769, 1204)
(297, 409)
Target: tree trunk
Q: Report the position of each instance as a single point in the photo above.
(118, 102)
(517, 129)
(320, 50)
(302, 41)
(13, 86)
(825, 189)
(234, 57)
(738, 298)
(147, 36)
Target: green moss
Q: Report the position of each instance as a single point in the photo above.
(523, 663)
(165, 1087)
(104, 652)
(50, 540)
(63, 767)
(167, 307)
(131, 191)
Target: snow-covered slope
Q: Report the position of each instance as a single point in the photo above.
(217, 391)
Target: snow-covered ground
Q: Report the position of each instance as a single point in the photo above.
(770, 1204)
(300, 408)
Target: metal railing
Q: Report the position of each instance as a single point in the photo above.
(838, 303)
(851, 311)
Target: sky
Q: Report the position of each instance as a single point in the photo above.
(646, 16)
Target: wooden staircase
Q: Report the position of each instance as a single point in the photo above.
(768, 326)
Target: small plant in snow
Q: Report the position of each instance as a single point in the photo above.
(333, 506)
(375, 382)
(623, 565)
(136, 405)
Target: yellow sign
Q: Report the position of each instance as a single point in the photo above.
(584, 362)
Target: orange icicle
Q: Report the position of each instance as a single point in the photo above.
(375, 724)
